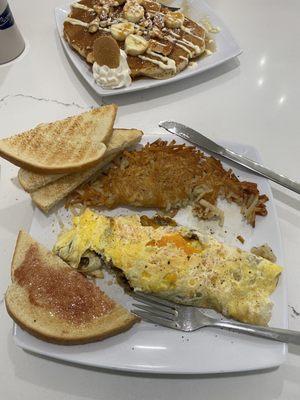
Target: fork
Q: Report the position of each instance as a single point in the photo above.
(188, 319)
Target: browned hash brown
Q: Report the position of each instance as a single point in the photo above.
(169, 176)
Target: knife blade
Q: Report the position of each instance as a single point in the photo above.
(202, 141)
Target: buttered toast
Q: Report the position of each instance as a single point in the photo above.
(32, 181)
(73, 144)
(51, 194)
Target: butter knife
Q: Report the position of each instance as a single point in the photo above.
(202, 141)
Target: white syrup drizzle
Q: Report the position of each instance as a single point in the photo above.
(74, 21)
(184, 58)
(166, 63)
(188, 31)
(82, 7)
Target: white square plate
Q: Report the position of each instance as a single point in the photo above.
(153, 349)
(227, 48)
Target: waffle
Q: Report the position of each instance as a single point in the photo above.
(169, 51)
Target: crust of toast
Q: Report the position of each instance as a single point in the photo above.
(115, 323)
(50, 195)
(36, 320)
(66, 146)
(32, 181)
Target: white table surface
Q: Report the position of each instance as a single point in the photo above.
(255, 101)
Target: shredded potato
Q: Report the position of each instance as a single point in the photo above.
(169, 176)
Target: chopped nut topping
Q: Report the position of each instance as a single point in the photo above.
(94, 25)
(240, 238)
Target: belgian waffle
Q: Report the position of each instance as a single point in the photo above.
(172, 39)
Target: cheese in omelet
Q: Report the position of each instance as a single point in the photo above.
(176, 263)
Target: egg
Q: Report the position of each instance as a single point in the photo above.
(176, 263)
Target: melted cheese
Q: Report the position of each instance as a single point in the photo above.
(177, 240)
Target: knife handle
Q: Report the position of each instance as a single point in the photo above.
(263, 171)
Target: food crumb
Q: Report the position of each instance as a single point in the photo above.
(294, 311)
(241, 239)
(264, 251)
(192, 65)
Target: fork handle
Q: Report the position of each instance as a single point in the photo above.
(281, 335)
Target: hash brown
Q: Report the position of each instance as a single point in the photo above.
(168, 176)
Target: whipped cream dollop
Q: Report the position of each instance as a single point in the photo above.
(113, 78)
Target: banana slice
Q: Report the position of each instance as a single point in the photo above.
(174, 19)
(94, 25)
(122, 30)
(135, 45)
(133, 11)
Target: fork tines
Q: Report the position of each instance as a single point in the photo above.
(155, 310)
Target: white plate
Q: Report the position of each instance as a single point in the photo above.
(227, 48)
(148, 348)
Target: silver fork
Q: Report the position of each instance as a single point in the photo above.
(188, 319)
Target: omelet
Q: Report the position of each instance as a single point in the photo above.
(175, 263)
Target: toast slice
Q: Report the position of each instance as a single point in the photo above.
(50, 195)
(65, 146)
(31, 181)
(55, 303)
